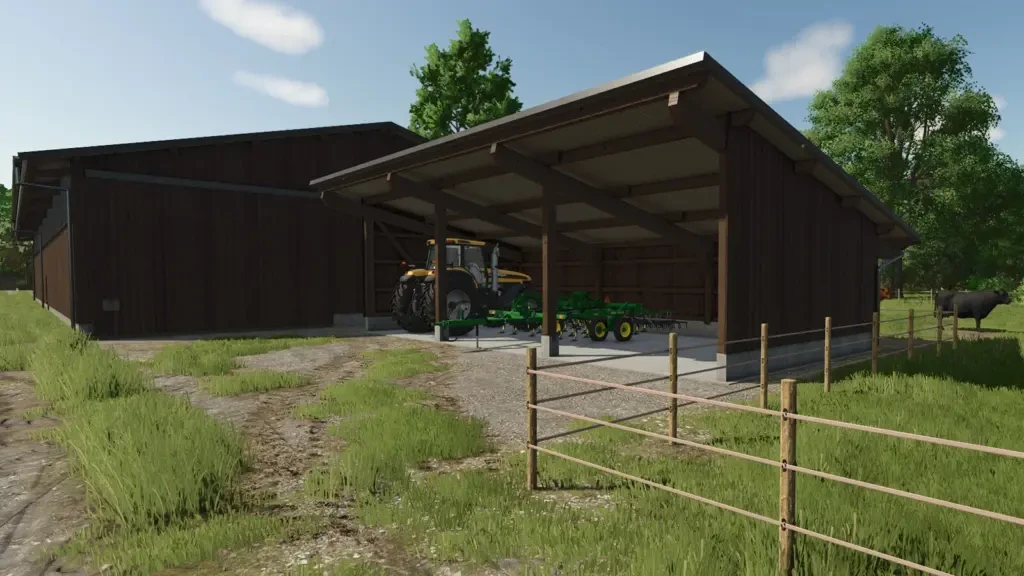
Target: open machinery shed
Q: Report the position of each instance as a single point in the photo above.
(676, 187)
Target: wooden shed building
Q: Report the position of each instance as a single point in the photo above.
(217, 234)
(676, 187)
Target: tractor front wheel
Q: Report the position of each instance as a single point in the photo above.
(402, 298)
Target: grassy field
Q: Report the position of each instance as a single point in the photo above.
(587, 522)
(161, 478)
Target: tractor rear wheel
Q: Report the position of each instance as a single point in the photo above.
(402, 298)
(461, 303)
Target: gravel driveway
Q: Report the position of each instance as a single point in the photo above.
(491, 385)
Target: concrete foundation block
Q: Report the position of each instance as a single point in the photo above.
(349, 320)
(380, 323)
(440, 334)
(548, 346)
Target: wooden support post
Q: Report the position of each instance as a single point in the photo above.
(709, 287)
(938, 330)
(440, 271)
(910, 334)
(369, 269)
(875, 325)
(828, 353)
(531, 419)
(549, 266)
(956, 313)
(787, 478)
(673, 384)
(763, 394)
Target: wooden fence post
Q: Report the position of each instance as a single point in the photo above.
(763, 394)
(956, 311)
(910, 334)
(787, 478)
(828, 353)
(531, 419)
(938, 329)
(875, 325)
(673, 384)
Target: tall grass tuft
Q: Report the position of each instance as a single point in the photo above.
(151, 460)
(388, 429)
(22, 324)
(69, 369)
(217, 356)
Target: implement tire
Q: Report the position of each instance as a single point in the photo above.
(460, 286)
(401, 307)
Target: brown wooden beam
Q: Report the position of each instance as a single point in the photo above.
(805, 166)
(549, 275)
(395, 243)
(673, 217)
(852, 202)
(512, 226)
(742, 118)
(681, 184)
(356, 209)
(440, 270)
(616, 146)
(369, 269)
(694, 123)
(472, 175)
(573, 190)
(883, 229)
(723, 256)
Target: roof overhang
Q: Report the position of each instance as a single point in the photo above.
(35, 183)
(631, 161)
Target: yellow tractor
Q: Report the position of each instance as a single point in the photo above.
(475, 286)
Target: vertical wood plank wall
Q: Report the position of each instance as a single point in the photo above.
(795, 254)
(186, 260)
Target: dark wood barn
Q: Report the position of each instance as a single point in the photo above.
(676, 187)
(202, 235)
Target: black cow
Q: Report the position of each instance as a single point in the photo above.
(975, 305)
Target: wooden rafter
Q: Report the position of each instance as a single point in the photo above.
(571, 189)
(394, 242)
(688, 118)
(673, 217)
(648, 189)
(511, 225)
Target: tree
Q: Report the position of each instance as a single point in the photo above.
(461, 87)
(906, 119)
(15, 257)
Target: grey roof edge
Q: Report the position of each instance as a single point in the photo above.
(481, 136)
(394, 128)
(766, 111)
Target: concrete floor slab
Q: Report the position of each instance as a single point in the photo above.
(610, 353)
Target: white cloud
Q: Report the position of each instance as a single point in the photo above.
(278, 27)
(1000, 102)
(293, 92)
(806, 64)
(996, 134)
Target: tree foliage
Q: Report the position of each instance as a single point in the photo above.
(462, 86)
(15, 257)
(907, 120)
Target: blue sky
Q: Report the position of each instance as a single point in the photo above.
(87, 72)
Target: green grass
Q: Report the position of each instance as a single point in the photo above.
(22, 324)
(254, 381)
(161, 478)
(215, 357)
(389, 429)
(1008, 318)
(187, 544)
(479, 516)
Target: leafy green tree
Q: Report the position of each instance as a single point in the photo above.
(463, 86)
(15, 257)
(907, 120)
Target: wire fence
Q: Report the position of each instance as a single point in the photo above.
(788, 418)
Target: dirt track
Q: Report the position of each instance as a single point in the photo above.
(40, 505)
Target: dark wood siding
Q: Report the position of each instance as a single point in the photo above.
(56, 273)
(661, 277)
(191, 260)
(391, 248)
(795, 254)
